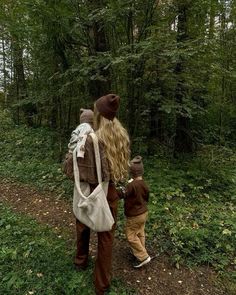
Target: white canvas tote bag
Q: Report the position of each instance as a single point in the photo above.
(92, 209)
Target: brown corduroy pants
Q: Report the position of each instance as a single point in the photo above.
(103, 264)
(135, 234)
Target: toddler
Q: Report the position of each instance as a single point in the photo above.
(135, 205)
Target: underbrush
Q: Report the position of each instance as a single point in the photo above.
(34, 260)
(192, 208)
(30, 155)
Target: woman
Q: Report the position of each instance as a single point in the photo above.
(115, 151)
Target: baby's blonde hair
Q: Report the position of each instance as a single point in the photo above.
(117, 145)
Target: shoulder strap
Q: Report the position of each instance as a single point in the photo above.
(97, 156)
(97, 160)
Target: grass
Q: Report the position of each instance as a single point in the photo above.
(31, 156)
(192, 208)
(34, 260)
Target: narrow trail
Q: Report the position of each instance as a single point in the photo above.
(157, 278)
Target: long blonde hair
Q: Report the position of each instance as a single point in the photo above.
(117, 145)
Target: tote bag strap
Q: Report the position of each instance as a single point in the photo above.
(97, 160)
(97, 157)
(105, 184)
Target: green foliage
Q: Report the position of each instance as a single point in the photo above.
(192, 202)
(34, 260)
(193, 207)
(6, 120)
(163, 66)
(168, 60)
(30, 156)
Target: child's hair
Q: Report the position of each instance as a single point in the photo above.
(117, 145)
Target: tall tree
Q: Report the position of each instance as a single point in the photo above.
(183, 138)
(98, 43)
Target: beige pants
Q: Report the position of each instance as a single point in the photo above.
(134, 231)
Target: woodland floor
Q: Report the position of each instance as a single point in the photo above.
(157, 278)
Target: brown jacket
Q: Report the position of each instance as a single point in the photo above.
(87, 168)
(87, 165)
(136, 198)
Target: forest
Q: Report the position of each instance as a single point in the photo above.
(173, 64)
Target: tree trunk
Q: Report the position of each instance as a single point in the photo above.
(225, 66)
(212, 19)
(183, 139)
(98, 43)
(4, 71)
(20, 83)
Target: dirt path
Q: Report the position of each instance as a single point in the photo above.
(157, 278)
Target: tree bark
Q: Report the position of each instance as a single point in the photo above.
(4, 71)
(98, 43)
(20, 82)
(183, 140)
